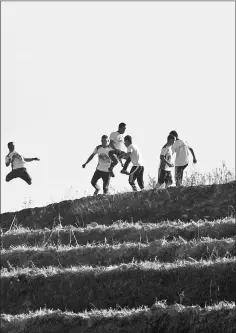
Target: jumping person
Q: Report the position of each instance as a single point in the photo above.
(104, 162)
(181, 148)
(117, 143)
(18, 164)
(137, 170)
(164, 172)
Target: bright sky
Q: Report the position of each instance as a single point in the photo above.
(72, 71)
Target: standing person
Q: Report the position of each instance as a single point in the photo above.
(18, 164)
(164, 172)
(117, 143)
(181, 148)
(137, 170)
(104, 162)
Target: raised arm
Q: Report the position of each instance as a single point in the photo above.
(88, 160)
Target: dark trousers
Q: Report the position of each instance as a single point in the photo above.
(105, 177)
(19, 173)
(179, 172)
(115, 156)
(136, 172)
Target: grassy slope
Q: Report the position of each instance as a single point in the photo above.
(216, 201)
(106, 254)
(121, 285)
(159, 318)
(130, 285)
(120, 232)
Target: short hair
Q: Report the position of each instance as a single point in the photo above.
(10, 144)
(128, 138)
(174, 133)
(170, 137)
(122, 125)
(105, 136)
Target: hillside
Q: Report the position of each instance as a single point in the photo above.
(152, 261)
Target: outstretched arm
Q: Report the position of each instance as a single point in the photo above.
(192, 152)
(88, 160)
(31, 159)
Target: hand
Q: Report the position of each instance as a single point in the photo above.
(194, 160)
(36, 159)
(170, 165)
(84, 165)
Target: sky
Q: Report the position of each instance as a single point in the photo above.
(72, 71)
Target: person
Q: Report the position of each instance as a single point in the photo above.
(18, 164)
(137, 170)
(181, 148)
(117, 143)
(164, 172)
(104, 162)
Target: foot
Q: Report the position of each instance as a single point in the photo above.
(125, 172)
(96, 192)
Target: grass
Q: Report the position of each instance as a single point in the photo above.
(105, 254)
(120, 231)
(215, 201)
(63, 272)
(159, 317)
(134, 284)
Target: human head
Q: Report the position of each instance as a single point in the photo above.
(105, 140)
(170, 139)
(175, 134)
(127, 140)
(11, 146)
(122, 128)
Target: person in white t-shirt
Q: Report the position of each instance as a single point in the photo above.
(18, 164)
(181, 148)
(104, 162)
(117, 143)
(137, 170)
(166, 163)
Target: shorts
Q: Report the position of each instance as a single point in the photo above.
(19, 173)
(165, 176)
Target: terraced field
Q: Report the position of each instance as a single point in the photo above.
(135, 262)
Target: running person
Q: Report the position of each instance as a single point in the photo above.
(117, 143)
(104, 162)
(137, 170)
(164, 172)
(181, 148)
(18, 164)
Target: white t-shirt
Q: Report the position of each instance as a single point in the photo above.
(136, 157)
(168, 154)
(16, 159)
(181, 148)
(118, 139)
(104, 160)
